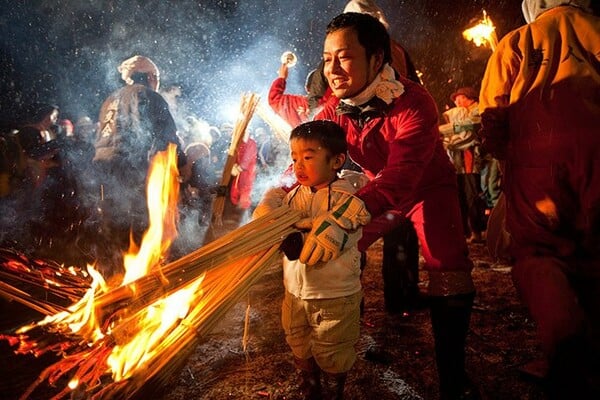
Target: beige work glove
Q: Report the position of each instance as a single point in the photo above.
(330, 232)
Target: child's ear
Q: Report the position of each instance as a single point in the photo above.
(339, 161)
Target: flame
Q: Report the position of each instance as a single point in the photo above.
(137, 337)
(162, 194)
(484, 33)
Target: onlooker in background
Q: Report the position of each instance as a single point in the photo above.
(85, 129)
(244, 174)
(65, 128)
(47, 190)
(134, 123)
(391, 126)
(462, 143)
(293, 108)
(321, 308)
(38, 141)
(540, 109)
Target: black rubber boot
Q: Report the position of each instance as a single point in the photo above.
(574, 371)
(334, 386)
(400, 269)
(310, 378)
(450, 316)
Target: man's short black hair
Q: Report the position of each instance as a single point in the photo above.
(372, 34)
(330, 135)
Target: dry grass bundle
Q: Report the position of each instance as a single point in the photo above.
(218, 275)
(247, 107)
(277, 124)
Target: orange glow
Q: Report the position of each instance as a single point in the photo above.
(131, 330)
(144, 330)
(482, 34)
(162, 196)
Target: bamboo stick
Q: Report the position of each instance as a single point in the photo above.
(247, 107)
(277, 124)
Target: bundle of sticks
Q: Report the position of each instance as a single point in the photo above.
(22, 277)
(217, 276)
(275, 122)
(247, 107)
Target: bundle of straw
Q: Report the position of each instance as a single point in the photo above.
(277, 124)
(255, 236)
(247, 107)
(225, 270)
(59, 285)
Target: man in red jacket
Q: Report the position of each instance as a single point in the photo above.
(392, 133)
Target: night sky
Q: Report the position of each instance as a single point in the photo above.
(66, 51)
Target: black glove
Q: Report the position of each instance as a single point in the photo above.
(219, 190)
(292, 245)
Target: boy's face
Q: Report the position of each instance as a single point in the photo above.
(347, 68)
(313, 165)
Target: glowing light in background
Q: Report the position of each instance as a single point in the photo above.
(482, 34)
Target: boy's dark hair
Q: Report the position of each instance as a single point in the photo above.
(330, 135)
(372, 34)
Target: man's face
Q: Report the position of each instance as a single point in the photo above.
(347, 68)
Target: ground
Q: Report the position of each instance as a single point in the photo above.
(501, 341)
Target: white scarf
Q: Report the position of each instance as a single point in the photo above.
(385, 86)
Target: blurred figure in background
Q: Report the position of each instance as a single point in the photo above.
(44, 184)
(294, 108)
(462, 144)
(540, 110)
(134, 123)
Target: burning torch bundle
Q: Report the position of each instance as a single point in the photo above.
(116, 340)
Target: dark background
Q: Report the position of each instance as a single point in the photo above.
(66, 51)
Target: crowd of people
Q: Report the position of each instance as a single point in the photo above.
(370, 157)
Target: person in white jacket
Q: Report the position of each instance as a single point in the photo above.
(321, 306)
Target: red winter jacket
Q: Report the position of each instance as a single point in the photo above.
(401, 152)
(292, 108)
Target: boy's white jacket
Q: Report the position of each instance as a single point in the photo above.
(336, 278)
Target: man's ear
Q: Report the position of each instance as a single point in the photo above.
(377, 62)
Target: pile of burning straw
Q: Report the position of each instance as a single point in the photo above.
(114, 339)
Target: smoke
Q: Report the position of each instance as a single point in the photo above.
(67, 52)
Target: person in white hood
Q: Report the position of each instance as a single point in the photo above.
(540, 110)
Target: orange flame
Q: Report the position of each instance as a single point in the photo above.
(484, 33)
(140, 336)
(162, 196)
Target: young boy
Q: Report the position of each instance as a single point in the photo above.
(321, 307)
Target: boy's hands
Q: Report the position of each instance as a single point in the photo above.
(330, 233)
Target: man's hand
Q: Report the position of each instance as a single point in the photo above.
(236, 169)
(283, 71)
